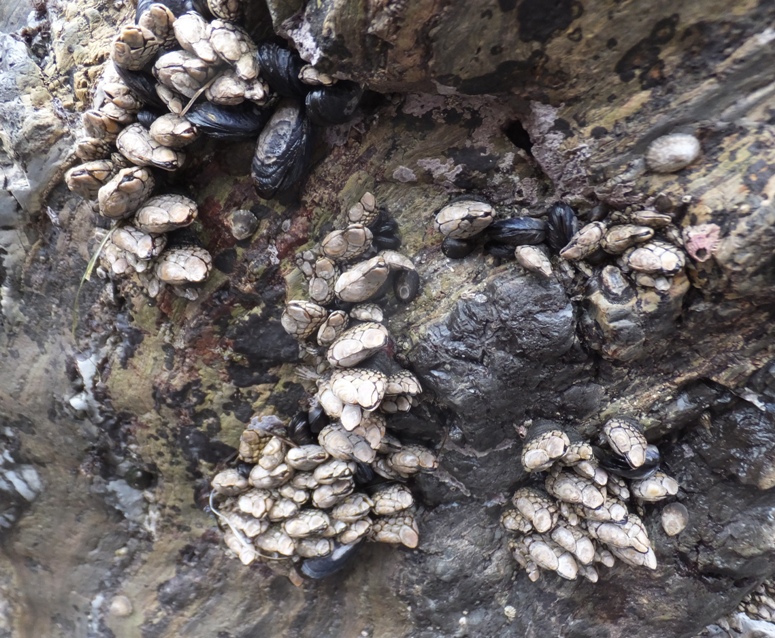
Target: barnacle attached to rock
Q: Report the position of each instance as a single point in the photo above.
(671, 153)
(123, 194)
(463, 218)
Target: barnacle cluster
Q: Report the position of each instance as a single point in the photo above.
(580, 515)
(184, 70)
(295, 493)
(754, 616)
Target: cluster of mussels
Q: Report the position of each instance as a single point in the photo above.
(294, 495)
(645, 242)
(580, 516)
(184, 70)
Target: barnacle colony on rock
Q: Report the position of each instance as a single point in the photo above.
(580, 516)
(215, 82)
(310, 489)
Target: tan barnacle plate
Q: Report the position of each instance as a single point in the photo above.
(141, 245)
(574, 540)
(635, 558)
(240, 546)
(183, 72)
(183, 265)
(229, 483)
(248, 525)
(229, 89)
(310, 75)
(359, 386)
(173, 131)
(617, 486)
(251, 444)
(655, 258)
(121, 96)
(391, 499)
(306, 457)
(534, 259)
(411, 459)
(330, 494)
(136, 144)
(159, 20)
(578, 450)
(355, 531)
(191, 33)
(333, 470)
(372, 428)
(267, 479)
(352, 508)
(654, 488)
(671, 153)
(613, 510)
(332, 327)
(625, 436)
(275, 541)
(397, 529)
(273, 453)
(87, 179)
(234, 45)
(514, 521)
(536, 506)
(304, 481)
(164, 213)
(396, 261)
(134, 47)
(364, 211)
(520, 553)
(675, 518)
(463, 218)
(362, 281)
(97, 124)
(617, 239)
(356, 344)
(256, 502)
(367, 312)
(403, 382)
(174, 101)
(314, 547)
(321, 284)
(344, 445)
(584, 242)
(347, 244)
(545, 443)
(301, 318)
(226, 9)
(92, 148)
(298, 496)
(124, 192)
(282, 509)
(548, 555)
(572, 488)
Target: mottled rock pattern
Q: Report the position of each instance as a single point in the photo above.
(583, 90)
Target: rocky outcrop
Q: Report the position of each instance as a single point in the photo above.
(111, 429)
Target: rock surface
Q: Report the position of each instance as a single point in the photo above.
(110, 431)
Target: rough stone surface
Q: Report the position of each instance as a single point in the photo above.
(116, 423)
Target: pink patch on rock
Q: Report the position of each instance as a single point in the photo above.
(701, 241)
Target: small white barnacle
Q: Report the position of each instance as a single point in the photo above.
(671, 153)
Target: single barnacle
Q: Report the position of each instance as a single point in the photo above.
(124, 192)
(330, 494)
(635, 558)
(536, 506)
(308, 522)
(352, 508)
(282, 509)
(572, 488)
(87, 179)
(301, 318)
(186, 264)
(367, 312)
(403, 382)
(134, 47)
(159, 20)
(226, 9)
(164, 213)
(295, 494)
(140, 244)
(183, 72)
(399, 528)
(98, 125)
(617, 487)
(612, 510)
(364, 211)
(355, 531)
(654, 488)
(273, 453)
(671, 153)
(521, 555)
(136, 144)
(356, 344)
(548, 555)
(314, 547)
(371, 428)
(191, 33)
(584, 242)
(654, 257)
(333, 470)
(92, 148)
(241, 547)
(248, 525)
(675, 518)
(625, 436)
(617, 239)
(359, 386)
(234, 45)
(575, 541)
(391, 499)
(304, 481)
(306, 457)
(173, 131)
(347, 244)
(463, 218)
(578, 450)
(229, 483)
(262, 478)
(701, 241)
(363, 281)
(344, 445)
(120, 95)
(411, 459)
(545, 442)
(534, 259)
(321, 284)
(275, 541)
(256, 502)
(514, 521)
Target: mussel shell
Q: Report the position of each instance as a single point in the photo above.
(406, 285)
(280, 68)
(619, 466)
(318, 568)
(497, 249)
(516, 231)
(386, 242)
(456, 248)
(143, 85)
(299, 430)
(283, 152)
(244, 469)
(384, 225)
(146, 117)
(317, 418)
(363, 474)
(561, 225)
(333, 104)
(243, 121)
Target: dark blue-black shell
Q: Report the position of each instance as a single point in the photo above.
(334, 104)
(324, 566)
(243, 121)
(561, 225)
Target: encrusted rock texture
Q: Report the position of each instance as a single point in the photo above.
(102, 527)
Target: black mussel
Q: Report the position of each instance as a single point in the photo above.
(618, 465)
(561, 225)
(143, 84)
(146, 117)
(318, 568)
(406, 285)
(269, 425)
(178, 7)
(363, 474)
(244, 469)
(139, 478)
(317, 418)
(386, 242)
(333, 104)
(457, 248)
(516, 231)
(280, 68)
(497, 249)
(243, 121)
(384, 225)
(283, 152)
(300, 431)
